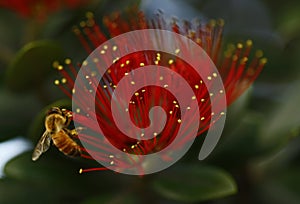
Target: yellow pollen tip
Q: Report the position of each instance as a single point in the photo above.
(63, 80)
(55, 64)
(234, 57)
(82, 24)
(239, 45)
(171, 61)
(60, 67)
(56, 82)
(244, 60)
(221, 22)
(259, 53)
(249, 43)
(212, 22)
(89, 14)
(84, 63)
(263, 60)
(76, 30)
(67, 61)
(80, 171)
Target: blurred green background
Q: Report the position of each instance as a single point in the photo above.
(256, 161)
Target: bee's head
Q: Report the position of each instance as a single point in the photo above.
(54, 110)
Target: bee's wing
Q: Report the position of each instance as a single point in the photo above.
(42, 146)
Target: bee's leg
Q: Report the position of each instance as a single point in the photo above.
(74, 133)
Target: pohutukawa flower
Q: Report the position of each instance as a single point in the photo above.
(238, 67)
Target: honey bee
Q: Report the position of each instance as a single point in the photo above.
(56, 122)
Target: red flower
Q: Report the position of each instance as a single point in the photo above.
(237, 66)
(40, 9)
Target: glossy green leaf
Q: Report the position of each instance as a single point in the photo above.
(110, 198)
(282, 187)
(16, 192)
(284, 121)
(59, 173)
(16, 113)
(241, 143)
(289, 22)
(45, 170)
(194, 183)
(32, 65)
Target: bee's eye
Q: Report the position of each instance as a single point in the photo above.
(53, 110)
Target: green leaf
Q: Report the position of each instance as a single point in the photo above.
(289, 22)
(45, 171)
(16, 192)
(284, 122)
(16, 113)
(111, 198)
(59, 174)
(282, 187)
(32, 65)
(241, 143)
(194, 183)
(37, 127)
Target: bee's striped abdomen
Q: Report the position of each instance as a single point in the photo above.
(65, 144)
